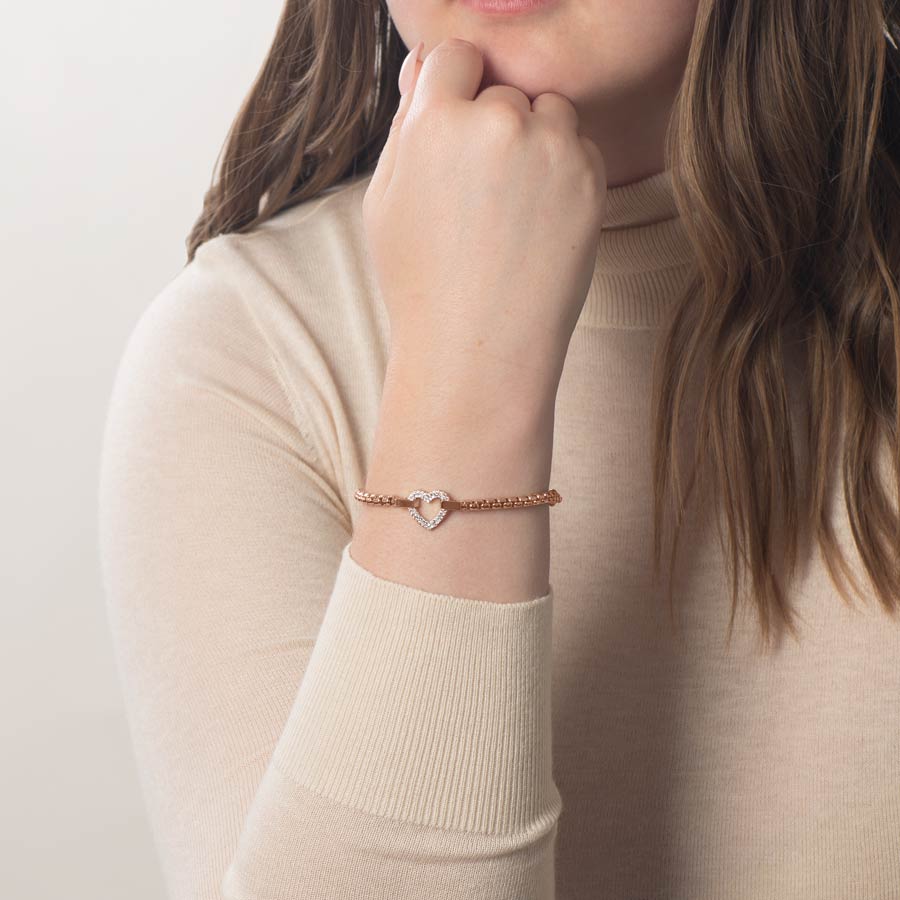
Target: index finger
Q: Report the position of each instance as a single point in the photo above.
(452, 70)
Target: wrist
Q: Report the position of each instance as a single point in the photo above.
(476, 398)
(433, 434)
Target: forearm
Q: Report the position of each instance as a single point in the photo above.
(444, 433)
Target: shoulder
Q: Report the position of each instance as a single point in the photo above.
(277, 325)
(311, 259)
(329, 219)
(304, 277)
(303, 274)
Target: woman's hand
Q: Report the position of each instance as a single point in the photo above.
(483, 218)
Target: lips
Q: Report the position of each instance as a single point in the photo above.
(508, 7)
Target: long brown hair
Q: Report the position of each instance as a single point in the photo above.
(783, 152)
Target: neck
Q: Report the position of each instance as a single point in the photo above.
(642, 256)
(630, 127)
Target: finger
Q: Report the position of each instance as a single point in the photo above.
(556, 109)
(504, 93)
(452, 71)
(596, 158)
(407, 80)
(408, 74)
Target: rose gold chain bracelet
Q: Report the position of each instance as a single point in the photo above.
(414, 500)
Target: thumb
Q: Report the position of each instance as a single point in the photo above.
(408, 77)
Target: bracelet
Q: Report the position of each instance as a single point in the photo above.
(414, 500)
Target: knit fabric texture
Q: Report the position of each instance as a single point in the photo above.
(304, 728)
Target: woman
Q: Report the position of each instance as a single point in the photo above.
(639, 257)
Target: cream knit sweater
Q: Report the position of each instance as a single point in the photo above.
(305, 729)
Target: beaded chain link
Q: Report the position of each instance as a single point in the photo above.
(415, 499)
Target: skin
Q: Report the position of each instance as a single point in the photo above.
(619, 61)
(482, 220)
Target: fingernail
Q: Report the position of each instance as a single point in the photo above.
(404, 80)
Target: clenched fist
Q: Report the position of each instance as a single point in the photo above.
(482, 218)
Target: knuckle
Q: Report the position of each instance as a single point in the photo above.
(594, 162)
(431, 116)
(589, 181)
(504, 121)
(589, 147)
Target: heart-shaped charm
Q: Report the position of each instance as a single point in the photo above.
(427, 497)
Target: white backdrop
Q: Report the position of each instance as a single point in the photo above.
(111, 116)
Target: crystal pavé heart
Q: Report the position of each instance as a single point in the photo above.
(427, 497)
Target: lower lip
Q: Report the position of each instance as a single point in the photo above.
(507, 7)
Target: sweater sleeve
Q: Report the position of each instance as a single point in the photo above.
(302, 727)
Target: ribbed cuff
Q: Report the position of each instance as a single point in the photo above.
(427, 707)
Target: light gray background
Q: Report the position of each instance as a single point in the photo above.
(112, 116)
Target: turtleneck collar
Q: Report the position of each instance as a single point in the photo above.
(642, 256)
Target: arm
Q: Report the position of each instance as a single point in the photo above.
(458, 440)
(303, 727)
